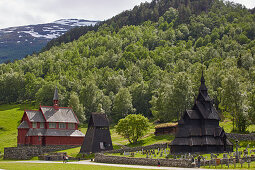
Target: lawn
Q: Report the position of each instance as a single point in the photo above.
(55, 166)
(10, 115)
(228, 126)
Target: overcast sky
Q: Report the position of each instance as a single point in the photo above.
(25, 12)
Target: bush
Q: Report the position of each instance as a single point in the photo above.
(132, 127)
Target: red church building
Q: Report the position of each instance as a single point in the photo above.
(50, 125)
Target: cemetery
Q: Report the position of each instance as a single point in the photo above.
(245, 157)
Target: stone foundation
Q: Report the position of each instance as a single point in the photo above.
(28, 152)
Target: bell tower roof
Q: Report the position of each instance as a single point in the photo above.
(55, 94)
(55, 99)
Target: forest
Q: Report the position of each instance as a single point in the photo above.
(151, 68)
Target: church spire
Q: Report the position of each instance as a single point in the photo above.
(202, 86)
(55, 99)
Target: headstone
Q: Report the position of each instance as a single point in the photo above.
(225, 156)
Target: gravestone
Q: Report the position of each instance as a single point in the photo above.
(225, 156)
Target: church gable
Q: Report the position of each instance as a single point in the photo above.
(34, 116)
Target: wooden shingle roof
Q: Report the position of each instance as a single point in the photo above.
(23, 125)
(35, 116)
(62, 114)
(53, 132)
(100, 120)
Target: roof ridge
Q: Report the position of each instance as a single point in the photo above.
(31, 110)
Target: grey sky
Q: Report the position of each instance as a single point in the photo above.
(25, 12)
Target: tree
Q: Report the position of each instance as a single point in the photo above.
(232, 100)
(171, 15)
(90, 97)
(122, 104)
(78, 108)
(172, 98)
(182, 94)
(251, 110)
(141, 97)
(44, 95)
(132, 127)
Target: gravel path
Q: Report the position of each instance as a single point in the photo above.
(88, 162)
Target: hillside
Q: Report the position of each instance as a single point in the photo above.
(153, 68)
(139, 14)
(10, 115)
(18, 42)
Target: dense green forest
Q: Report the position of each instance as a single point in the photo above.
(139, 14)
(153, 68)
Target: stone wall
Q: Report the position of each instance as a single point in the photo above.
(241, 137)
(133, 149)
(142, 161)
(28, 152)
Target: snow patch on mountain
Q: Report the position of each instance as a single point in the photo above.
(32, 38)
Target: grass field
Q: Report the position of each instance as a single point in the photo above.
(10, 116)
(37, 166)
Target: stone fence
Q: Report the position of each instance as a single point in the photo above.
(142, 161)
(241, 137)
(28, 152)
(139, 148)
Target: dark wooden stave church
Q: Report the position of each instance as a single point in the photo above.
(198, 130)
(98, 137)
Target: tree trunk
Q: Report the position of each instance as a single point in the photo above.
(233, 123)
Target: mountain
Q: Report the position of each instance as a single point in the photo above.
(18, 42)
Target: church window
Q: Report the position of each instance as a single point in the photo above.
(62, 125)
(52, 125)
(34, 125)
(71, 126)
(41, 125)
